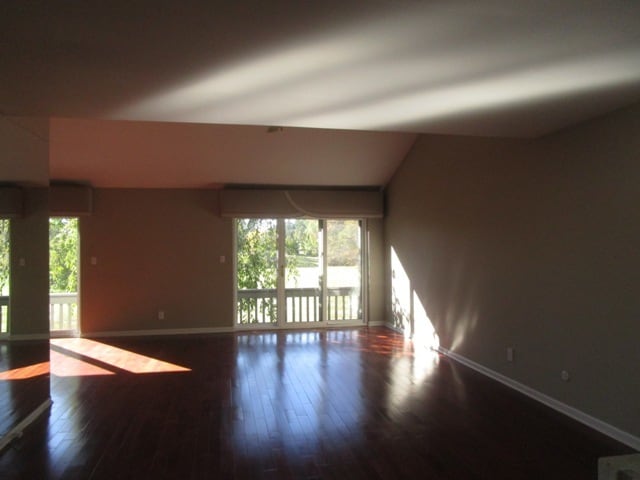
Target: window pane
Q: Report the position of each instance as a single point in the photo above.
(64, 254)
(4, 275)
(256, 270)
(344, 270)
(303, 271)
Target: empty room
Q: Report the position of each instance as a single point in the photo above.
(377, 240)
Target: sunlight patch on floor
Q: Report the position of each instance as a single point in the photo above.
(66, 366)
(107, 355)
(24, 373)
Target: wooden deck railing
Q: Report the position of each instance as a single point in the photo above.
(63, 311)
(254, 306)
(259, 306)
(4, 314)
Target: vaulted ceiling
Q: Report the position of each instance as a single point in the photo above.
(352, 81)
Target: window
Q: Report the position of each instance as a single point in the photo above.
(5, 268)
(63, 275)
(297, 272)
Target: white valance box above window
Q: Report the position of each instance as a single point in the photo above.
(266, 203)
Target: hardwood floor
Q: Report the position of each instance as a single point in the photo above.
(24, 381)
(335, 404)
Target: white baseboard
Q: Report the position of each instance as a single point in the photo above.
(63, 333)
(377, 323)
(602, 427)
(210, 330)
(158, 332)
(16, 431)
(394, 328)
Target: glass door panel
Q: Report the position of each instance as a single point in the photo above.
(303, 271)
(64, 261)
(344, 270)
(4, 276)
(257, 271)
(297, 272)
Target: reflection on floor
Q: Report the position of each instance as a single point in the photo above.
(353, 403)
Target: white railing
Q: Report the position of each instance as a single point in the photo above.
(343, 304)
(4, 314)
(259, 306)
(63, 311)
(303, 305)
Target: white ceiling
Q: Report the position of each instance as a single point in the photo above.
(495, 67)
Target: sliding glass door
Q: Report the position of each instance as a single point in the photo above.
(298, 272)
(64, 263)
(257, 279)
(344, 270)
(303, 271)
(5, 266)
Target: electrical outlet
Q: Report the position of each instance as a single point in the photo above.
(160, 314)
(510, 354)
(564, 375)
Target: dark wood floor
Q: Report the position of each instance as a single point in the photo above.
(24, 381)
(343, 404)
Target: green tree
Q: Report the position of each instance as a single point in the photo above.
(343, 242)
(4, 257)
(301, 245)
(257, 253)
(257, 256)
(63, 255)
(257, 266)
(302, 237)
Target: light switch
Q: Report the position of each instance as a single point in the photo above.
(94, 260)
(223, 259)
(22, 262)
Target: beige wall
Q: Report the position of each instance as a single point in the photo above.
(375, 234)
(155, 250)
(24, 150)
(534, 245)
(24, 160)
(29, 295)
(160, 250)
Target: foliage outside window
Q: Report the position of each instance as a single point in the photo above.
(257, 266)
(63, 255)
(257, 260)
(343, 243)
(63, 273)
(4, 275)
(257, 253)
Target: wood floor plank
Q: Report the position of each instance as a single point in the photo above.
(323, 404)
